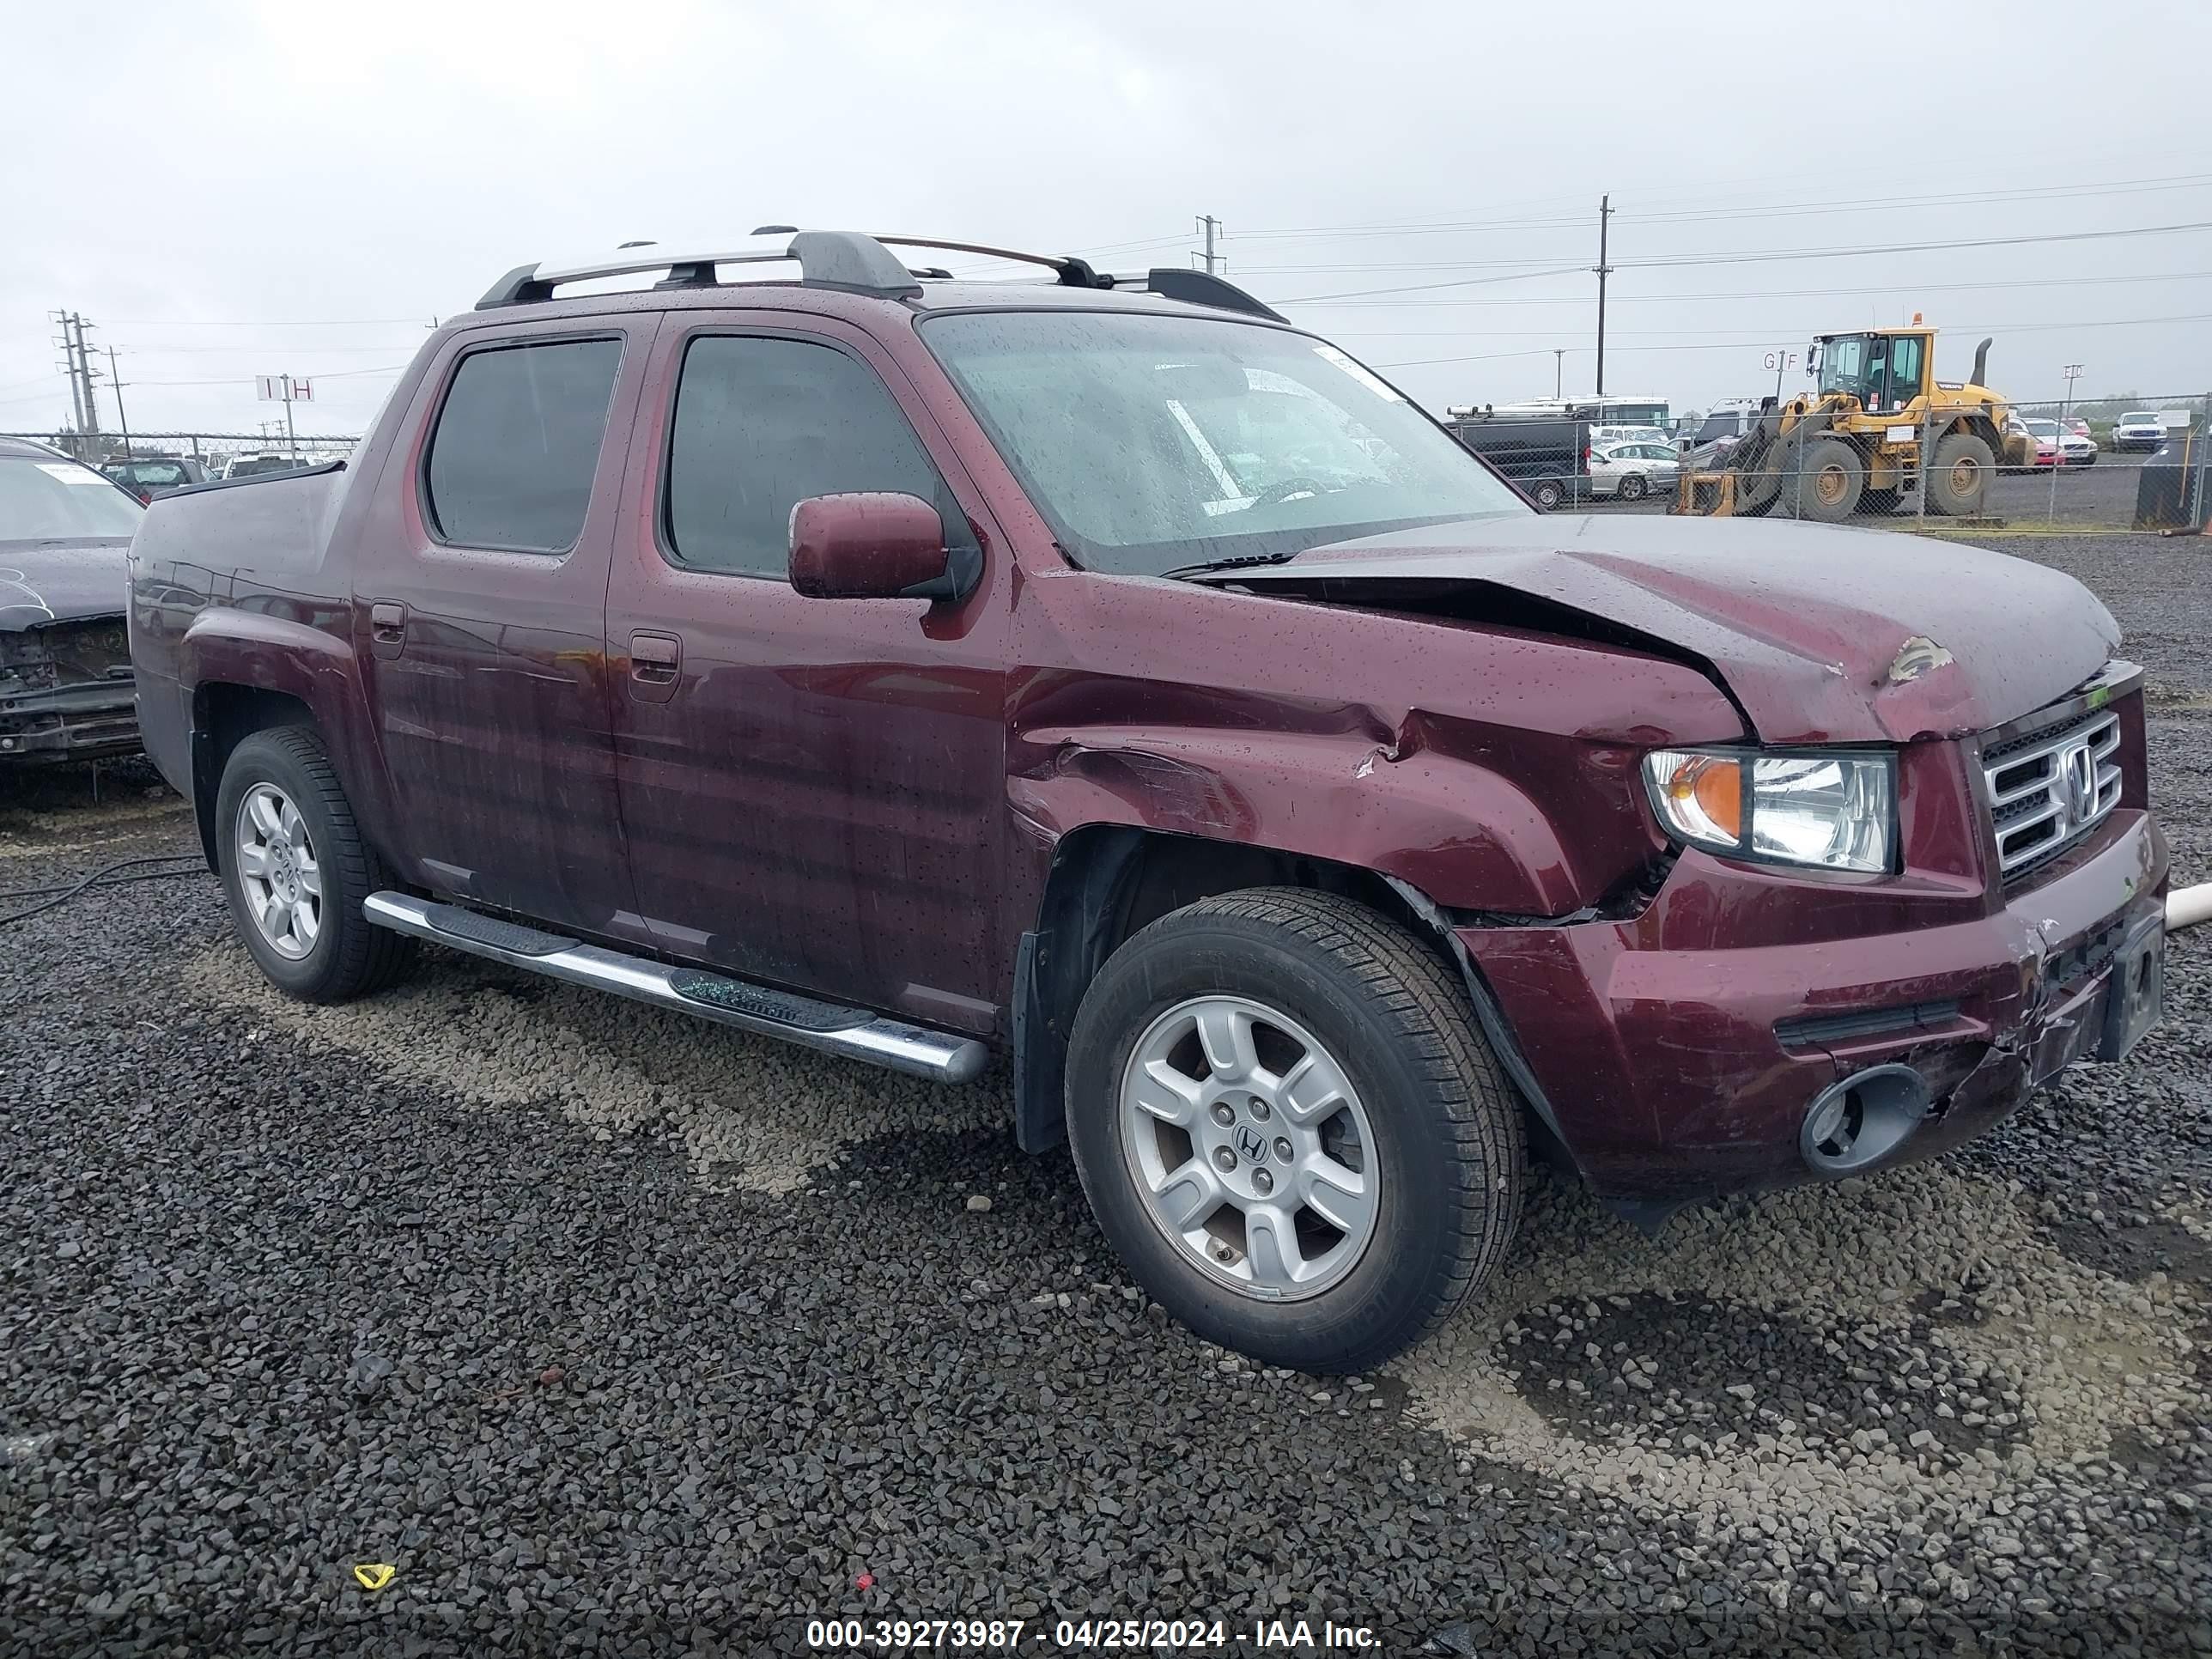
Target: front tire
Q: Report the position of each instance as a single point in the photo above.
(1827, 487)
(1290, 1130)
(295, 870)
(1548, 495)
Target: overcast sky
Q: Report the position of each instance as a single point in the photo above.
(229, 190)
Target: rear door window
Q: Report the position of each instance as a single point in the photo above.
(762, 423)
(517, 444)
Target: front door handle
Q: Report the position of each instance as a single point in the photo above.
(387, 627)
(656, 664)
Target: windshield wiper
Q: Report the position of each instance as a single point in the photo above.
(1242, 559)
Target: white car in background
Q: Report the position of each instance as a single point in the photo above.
(2057, 447)
(2139, 430)
(1602, 437)
(1629, 471)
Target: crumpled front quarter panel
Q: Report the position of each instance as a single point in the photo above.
(1492, 769)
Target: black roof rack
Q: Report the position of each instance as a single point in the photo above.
(859, 264)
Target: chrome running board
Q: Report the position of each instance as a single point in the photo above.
(855, 1033)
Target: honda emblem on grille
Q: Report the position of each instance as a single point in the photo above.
(2074, 785)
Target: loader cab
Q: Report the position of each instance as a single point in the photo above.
(1884, 368)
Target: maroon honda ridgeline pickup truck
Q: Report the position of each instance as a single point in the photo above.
(1104, 671)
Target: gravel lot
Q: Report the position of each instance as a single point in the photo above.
(616, 1334)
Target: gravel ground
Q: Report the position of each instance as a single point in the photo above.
(619, 1334)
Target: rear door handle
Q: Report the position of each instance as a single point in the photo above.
(387, 627)
(656, 664)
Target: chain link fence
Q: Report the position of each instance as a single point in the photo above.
(206, 455)
(2132, 461)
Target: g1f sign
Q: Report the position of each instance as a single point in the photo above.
(1778, 361)
(283, 389)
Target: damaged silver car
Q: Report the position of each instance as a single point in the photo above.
(65, 683)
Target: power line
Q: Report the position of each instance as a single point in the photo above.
(1752, 256)
(268, 322)
(249, 350)
(240, 380)
(1808, 293)
(1424, 288)
(1863, 204)
(1768, 337)
(1757, 256)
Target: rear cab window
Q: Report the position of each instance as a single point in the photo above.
(516, 446)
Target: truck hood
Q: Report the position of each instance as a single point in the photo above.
(48, 581)
(1821, 634)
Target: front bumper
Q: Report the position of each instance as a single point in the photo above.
(1677, 1068)
(87, 721)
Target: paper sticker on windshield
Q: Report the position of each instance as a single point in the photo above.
(68, 474)
(1366, 378)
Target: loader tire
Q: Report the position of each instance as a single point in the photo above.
(1959, 483)
(1824, 483)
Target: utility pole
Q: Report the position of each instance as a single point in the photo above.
(1604, 270)
(2073, 373)
(115, 379)
(1212, 227)
(90, 427)
(69, 367)
(1559, 371)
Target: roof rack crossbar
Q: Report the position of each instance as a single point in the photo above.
(1071, 271)
(827, 258)
(860, 263)
(1197, 287)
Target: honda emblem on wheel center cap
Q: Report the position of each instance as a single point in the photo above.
(1252, 1144)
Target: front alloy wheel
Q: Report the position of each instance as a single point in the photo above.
(1290, 1127)
(1249, 1148)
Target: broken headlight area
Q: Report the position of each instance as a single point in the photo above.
(65, 691)
(1831, 810)
(65, 653)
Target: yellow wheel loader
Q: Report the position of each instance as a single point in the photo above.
(1854, 444)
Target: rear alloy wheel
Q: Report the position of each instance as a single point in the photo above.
(1826, 483)
(1632, 488)
(1548, 495)
(278, 873)
(1290, 1128)
(295, 870)
(1959, 483)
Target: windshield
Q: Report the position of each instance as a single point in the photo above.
(1150, 443)
(2043, 429)
(1844, 364)
(2140, 418)
(43, 500)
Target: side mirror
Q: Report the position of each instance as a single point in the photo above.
(875, 544)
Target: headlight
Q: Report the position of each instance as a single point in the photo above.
(1833, 812)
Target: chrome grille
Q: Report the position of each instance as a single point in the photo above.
(2048, 790)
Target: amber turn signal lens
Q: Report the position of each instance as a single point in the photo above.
(1704, 794)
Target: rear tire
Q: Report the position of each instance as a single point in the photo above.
(295, 870)
(1959, 483)
(1632, 488)
(1825, 484)
(1179, 1116)
(1547, 495)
